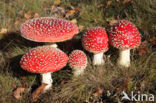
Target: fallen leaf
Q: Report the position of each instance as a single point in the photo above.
(3, 31)
(37, 92)
(70, 13)
(77, 9)
(20, 12)
(57, 2)
(74, 21)
(17, 93)
(17, 22)
(28, 14)
(62, 82)
(153, 40)
(57, 11)
(126, 2)
(53, 6)
(124, 85)
(108, 3)
(112, 22)
(72, 7)
(62, 11)
(81, 27)
(98, 92)
(100, 5)
(36, 15)
(23, 78)
(143, 48)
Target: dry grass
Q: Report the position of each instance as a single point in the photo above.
(141, 76)
(109, 78)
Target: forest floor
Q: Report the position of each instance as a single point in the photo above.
(99, 84)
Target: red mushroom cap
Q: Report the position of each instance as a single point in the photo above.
(44, 59)
(48, 29)
(95, 40)
(77, 59)
(124, 35)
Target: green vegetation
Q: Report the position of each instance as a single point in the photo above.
(141, 76)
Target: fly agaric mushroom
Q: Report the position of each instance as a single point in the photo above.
(48, 29)
(125, 36)
(44, 60)
(78, 61)
(95, 40)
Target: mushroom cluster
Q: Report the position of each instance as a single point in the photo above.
(47, 59)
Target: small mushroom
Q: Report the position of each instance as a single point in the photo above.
(44, 60)
(78, 62)
(95, 40)
(48, 29)
(125, 36)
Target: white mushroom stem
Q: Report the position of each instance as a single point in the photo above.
(46, 78)
(78, 72)
(52, 44)
(98, 59)
(124, 58)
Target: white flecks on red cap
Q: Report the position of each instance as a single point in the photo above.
(95, 40)
(48, 29)
(124, 35)
(44, 59)
(77, 59)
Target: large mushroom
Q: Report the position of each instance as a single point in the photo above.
(44, 60)
(78, 62)
(48, 29)
(125, 36)
(95, 40)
